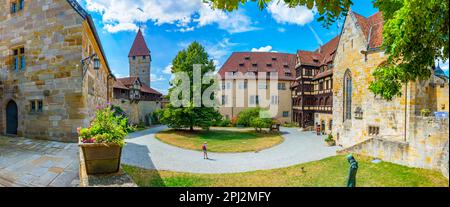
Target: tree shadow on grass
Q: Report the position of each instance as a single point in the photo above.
(145, 172)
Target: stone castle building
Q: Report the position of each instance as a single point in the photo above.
(46, 90)
(134, 94)
(312, 93)
(241, 87)
(396, 130)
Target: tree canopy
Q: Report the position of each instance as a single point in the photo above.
(329, 10)
(190, 115)
(416, 34)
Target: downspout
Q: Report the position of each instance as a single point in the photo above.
(406, 111)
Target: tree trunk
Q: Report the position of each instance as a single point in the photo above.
(191, 128)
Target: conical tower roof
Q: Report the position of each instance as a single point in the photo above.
(139, 47)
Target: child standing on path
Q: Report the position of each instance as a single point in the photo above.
(205, 152)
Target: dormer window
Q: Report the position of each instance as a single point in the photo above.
(269, 65)
(144, 57)
(274, 59)
(241, 64)
(134, 57)
(286, 66)
(316, 60)
(287, 74)
(247, 57)
(255, 65)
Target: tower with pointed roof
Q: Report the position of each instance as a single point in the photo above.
(140, 59)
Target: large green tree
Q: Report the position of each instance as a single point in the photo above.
(190, 114)
(416, 33)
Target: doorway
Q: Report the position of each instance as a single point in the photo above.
(11, 118)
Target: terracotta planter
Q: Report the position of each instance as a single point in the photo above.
(101, 158)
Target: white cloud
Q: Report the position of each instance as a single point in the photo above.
(281, 29)
(186, 15)
(300, 15)
(168, 69)
(156, 78)
(267, 48)
(219, 49)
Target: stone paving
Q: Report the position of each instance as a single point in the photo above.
(38, 163)
(143, 150)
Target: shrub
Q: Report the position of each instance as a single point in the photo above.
(246, 116)
(425, 112)
(261, 123)
(329, 138)
(225, 123)
(107, 127)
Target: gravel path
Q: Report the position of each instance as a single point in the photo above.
(143, 150)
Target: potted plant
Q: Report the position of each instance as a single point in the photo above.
(330, 141)
(102, 142)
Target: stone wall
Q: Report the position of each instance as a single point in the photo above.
(427, 147)
(55, 38)
(327, 118)
(387, 116)
(51, 33)
(140, 67)
(137, 111)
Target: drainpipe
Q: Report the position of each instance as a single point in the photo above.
(406, 110)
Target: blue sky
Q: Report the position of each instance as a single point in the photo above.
(170, 25)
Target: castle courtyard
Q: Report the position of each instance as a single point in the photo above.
(38, 163)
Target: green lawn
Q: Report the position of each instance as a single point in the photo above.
(328, 172)
(220, 140)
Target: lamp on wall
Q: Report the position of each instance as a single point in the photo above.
(93, 59)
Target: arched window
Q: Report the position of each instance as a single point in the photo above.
(327, 101)
(321, 102)
(347, 95)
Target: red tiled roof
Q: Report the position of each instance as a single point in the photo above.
(372, 28)
(321, 56)
(139, 47)
(120, 85)
(125, 83)
(324, 74)
(128, 80)
(265, 62)
(146, 89)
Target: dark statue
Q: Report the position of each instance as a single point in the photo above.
(353, 169)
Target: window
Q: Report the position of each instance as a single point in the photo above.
(255, 65)
(243, 85)
(247, 57)
(19, 58)
(321, 86)
(254, 100)
(17, 5)
(13, 7)
(282, 86)
(262, 86)
(269, 65)
(36, 106)
(134, 57)
(347, 96)
(274, 100)
(285, 113)
(274, 59)
(224, 99)
(144, 57)
(330, 124)
(228, 85)
(287, 74)
(374, 130)
(241, 64)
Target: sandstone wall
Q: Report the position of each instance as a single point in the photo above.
(137, 111)
(388, 116)
(141, 68)
(427, 147)
(51, 33)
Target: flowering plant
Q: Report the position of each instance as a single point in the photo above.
(107, 127)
